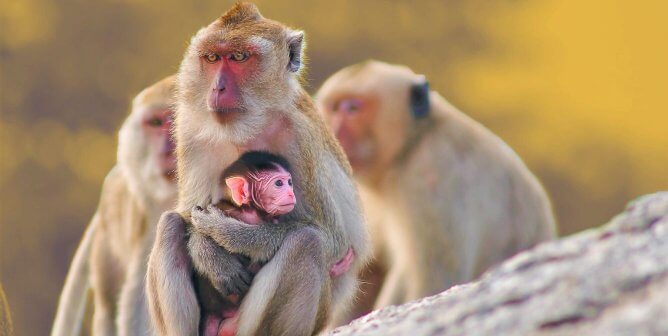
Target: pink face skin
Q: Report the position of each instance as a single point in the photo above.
(156, 124)
(350, 117)
(273, 191)
(269, 190)
(226, 66)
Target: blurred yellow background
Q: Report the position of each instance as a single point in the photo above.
(577, 88)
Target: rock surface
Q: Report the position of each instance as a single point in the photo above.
(607, 281)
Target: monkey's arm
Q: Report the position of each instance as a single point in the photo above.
(169, 289)
(225, 271)
(72, 300)
(259, 242)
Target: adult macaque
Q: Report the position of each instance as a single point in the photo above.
(239, 91)
(444, 197)
(111, 258)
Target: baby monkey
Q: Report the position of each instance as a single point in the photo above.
(256, 189)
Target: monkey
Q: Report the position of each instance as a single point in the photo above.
(6, 328)
(257, 189)
(238, 90)
(444, 197)
(112, 255)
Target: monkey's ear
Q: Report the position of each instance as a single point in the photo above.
(419, 103)
(239, 187)
(295, 48)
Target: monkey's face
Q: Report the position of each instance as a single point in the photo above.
(273, 191)
(350, 117)
(156, 124)
(367, 109)
(145, 147)
(237, 71)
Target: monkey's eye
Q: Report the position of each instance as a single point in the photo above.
(290, 182)
(155, 122)
(212, 58)
(351, 106)
(239, 56)
(278, 183)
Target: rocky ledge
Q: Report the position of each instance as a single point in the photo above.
(612, 280)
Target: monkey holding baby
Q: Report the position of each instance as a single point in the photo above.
(238, 91)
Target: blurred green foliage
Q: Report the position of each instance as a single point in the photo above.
(576, 88)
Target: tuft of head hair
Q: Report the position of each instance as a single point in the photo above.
(262, 161)
(240, 13)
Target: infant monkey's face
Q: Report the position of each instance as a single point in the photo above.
(274, 191)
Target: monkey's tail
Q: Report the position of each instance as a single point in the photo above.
(72, 302)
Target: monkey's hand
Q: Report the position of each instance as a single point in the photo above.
(227, 273)
(259, 242)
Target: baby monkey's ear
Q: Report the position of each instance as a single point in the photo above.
(239, 189)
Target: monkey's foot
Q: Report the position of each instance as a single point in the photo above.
(229, 325)
(343, 265)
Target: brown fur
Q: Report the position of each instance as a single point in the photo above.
(293, 293)
(444, 198)
(111, 258)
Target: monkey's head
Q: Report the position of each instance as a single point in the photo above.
(262, 180)
(372, 108)
(146, 148)
(238, 70)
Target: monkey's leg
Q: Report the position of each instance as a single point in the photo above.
(259, 242)
(291, 294)
(133, 317)
(106, 276)
(103, 315)
(225, 271)
(170, 292)
(393, 291)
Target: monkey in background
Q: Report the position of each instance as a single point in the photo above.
(238, 91)
(445, 198)
(111, 258)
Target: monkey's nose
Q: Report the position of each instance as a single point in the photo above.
(220, 84)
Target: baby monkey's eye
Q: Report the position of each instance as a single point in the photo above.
(278, 183)
(239, 56)
(290, 182)
(212, 58)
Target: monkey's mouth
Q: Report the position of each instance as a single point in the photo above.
(225, 115)
(286, 207)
